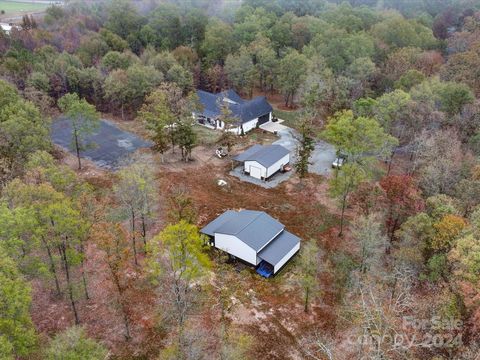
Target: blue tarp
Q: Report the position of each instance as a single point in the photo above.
(265, 269)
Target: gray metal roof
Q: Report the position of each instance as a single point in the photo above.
(266, 155)
(254, 228)
(244, 110)
(248, 153)
(278, 248)
(211, 227)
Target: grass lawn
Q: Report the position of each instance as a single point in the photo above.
(290, 117)
(14, 7)
(206, 136)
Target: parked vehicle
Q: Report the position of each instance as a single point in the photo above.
(339, 161)
(220, 152)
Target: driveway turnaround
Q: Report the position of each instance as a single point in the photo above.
(322, 156)
(107, 147)
(320, 162)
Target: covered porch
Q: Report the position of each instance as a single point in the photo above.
(212, 123)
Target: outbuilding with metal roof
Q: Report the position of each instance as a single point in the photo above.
(263, 161)
(254, 237)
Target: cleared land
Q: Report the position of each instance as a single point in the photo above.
(270, 311)
(12, 8)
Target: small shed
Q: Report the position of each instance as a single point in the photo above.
(263, 161)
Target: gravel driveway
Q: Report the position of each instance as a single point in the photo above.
(322, 156)
(320, 162)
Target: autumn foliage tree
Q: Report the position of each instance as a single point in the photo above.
(17, 334)
(72, 344)
(402, 199)
(157, 117)
(176, 261)
(112, 239)
(22, 131)
(136, 194)
(58, 232)
(446, 231)
(309, 269)
(343, 184)
(367, 197)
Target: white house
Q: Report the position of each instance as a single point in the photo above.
(250, 113)
(263, 161)
(6, 27)
(253, 237)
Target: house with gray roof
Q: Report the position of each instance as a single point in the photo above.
(253, 237)
(263, 161)
(249, 113)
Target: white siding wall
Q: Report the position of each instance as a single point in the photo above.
(265, 173)
(207, 126)
(286, 258)
(278, 165)
(248, 164)
(235, 247)
(248, 126)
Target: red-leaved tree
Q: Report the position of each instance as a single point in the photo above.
(367, 197)
(402, 199)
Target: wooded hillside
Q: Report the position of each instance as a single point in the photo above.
(109, 264)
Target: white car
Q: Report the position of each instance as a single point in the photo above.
(338, 162)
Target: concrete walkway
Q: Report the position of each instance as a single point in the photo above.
(273, 127)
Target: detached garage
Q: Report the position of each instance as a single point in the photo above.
(255, 238)
(263, 161)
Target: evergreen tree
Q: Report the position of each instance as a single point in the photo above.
(305, 147)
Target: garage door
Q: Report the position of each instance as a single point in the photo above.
(263, 119)
(255, 172)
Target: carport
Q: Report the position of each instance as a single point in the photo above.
(263, 161)
(276, 254)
